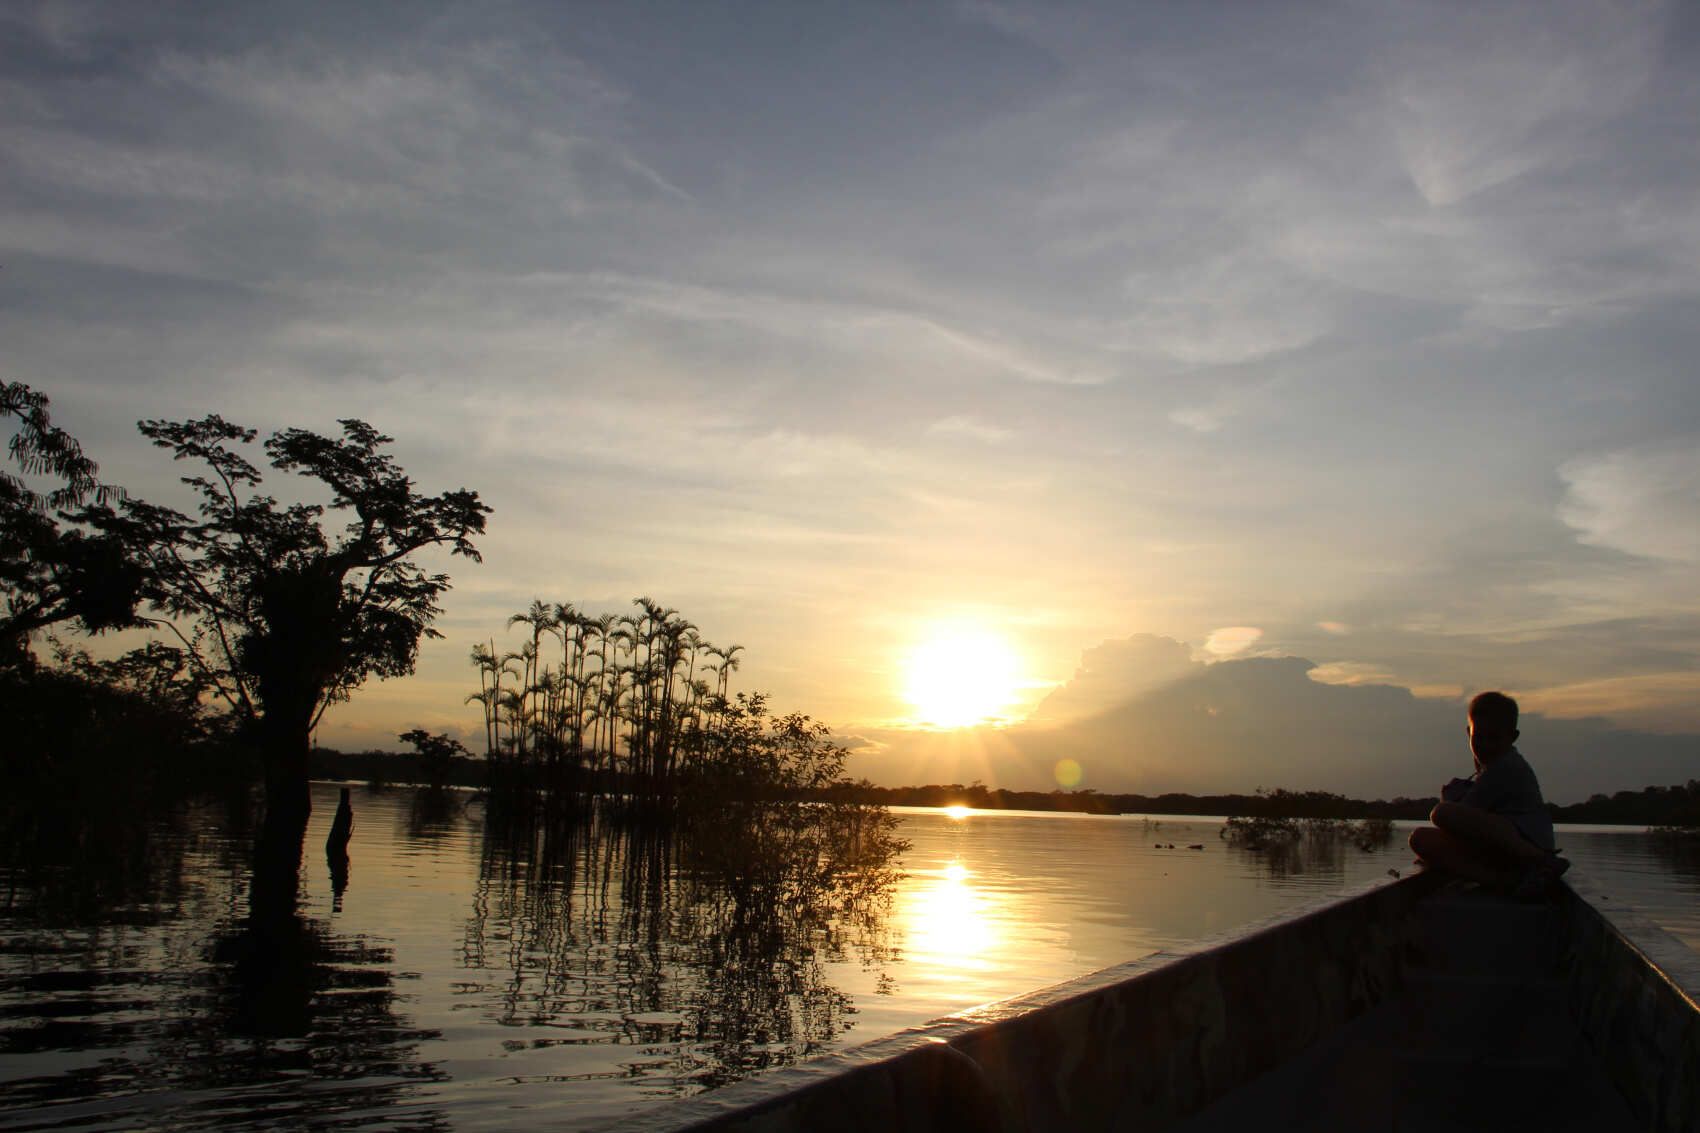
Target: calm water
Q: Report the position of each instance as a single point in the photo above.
(465, 974)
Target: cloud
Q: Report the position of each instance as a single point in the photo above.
(1355, 673)
(1656, 702)
(1467, 121)
(1643, 501)
(1352, 673)
(1240, 724)
(1230, 640)
(970, 428)
(1000, 303)
(1114, 671)
(1198, 419)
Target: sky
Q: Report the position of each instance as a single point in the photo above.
(1356, 332)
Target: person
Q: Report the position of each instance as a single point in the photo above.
(1494, 828)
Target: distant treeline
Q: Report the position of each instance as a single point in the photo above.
(385, 767)
(1652, 806)
(1272, 804)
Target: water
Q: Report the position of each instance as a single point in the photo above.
(473, 977)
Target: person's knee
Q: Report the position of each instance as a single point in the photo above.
(1446, 815)
(1422, 839)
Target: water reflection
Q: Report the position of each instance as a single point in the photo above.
(1292, 847)
(434, 812)
(491, 967)
(698, 948)
(193, 980)
(1679, 850)
(947, 922)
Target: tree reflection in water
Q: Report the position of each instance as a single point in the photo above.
(1678, 848)
(1291, 847)
(700, 942)
(150, 966)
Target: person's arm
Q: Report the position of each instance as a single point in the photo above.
(1489, 790)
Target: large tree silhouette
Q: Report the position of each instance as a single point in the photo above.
(289, 619)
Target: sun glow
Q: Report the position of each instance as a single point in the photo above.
(961, 676)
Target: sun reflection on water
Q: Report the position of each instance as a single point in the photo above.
(951, 926)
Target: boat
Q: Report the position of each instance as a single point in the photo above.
(1419, 1003)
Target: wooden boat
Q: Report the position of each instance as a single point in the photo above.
(1414, 1004)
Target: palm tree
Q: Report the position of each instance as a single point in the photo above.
(486, 697)
(491, 669)
(728, 664)
(541, 618)
(526, 655)
(672, 633)
(648, 689)
(510, 705)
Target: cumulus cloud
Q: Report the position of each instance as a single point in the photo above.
(1247, 722)
(1114, 672)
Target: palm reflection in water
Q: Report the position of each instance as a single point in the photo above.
(698, 946)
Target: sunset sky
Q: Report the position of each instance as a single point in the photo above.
(1359, 332)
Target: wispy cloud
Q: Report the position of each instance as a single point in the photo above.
(1083, 308)
(1643, 501)
(1658, 702)
(969, 427)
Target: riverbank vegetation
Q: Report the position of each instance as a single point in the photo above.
(260, 609)
(1272, 833)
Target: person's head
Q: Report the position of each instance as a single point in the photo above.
(1493, 725)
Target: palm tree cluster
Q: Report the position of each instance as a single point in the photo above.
(615, 696)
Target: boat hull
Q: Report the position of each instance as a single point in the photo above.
(1372, 1009)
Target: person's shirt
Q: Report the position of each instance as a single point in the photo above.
(1508, 786)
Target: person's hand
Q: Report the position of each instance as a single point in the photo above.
(1456, 789)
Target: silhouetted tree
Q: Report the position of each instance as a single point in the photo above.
(53, 570)
(290, 619)
(436, 754)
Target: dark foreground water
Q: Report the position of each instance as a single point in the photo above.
(465, 974)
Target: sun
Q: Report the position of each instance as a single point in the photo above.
(959, 676)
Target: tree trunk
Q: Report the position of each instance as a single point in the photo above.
(283, 733)
(284, 751)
